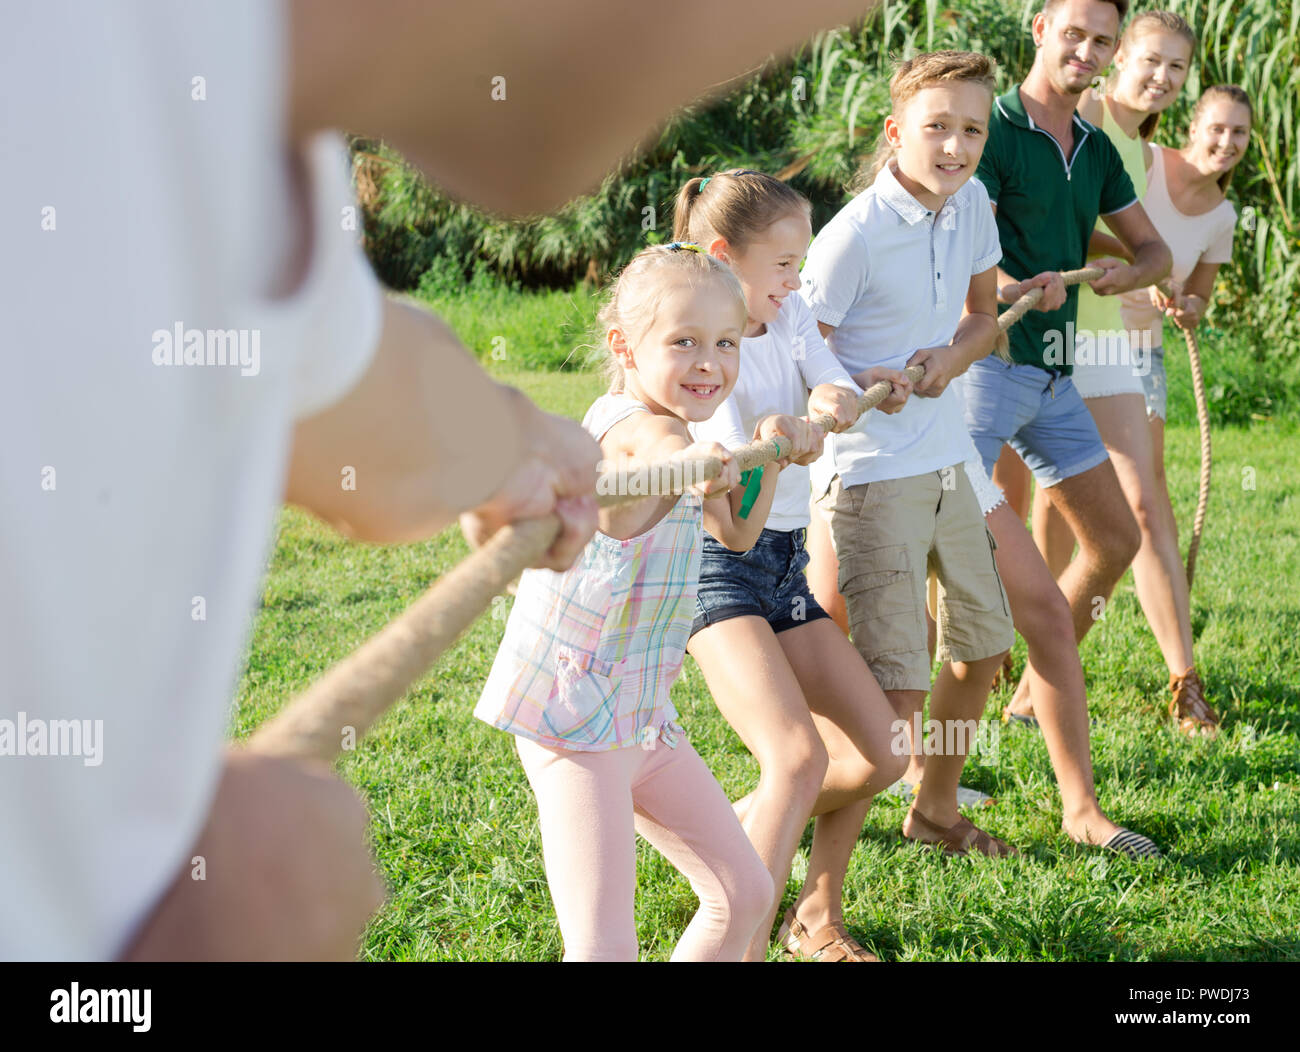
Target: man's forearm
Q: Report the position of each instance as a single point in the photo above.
(1151, 262)
(1005, 279)
(424, 436)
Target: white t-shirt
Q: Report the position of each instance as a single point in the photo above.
(892, 277)
(777, 370)
(146, 190)
(1205, 238)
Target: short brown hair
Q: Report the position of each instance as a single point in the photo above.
(1120, 5)
(914, 75)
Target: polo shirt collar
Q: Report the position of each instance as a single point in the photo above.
(1013, 109)
(909, 209)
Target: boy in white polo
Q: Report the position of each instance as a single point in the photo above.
(888, 278)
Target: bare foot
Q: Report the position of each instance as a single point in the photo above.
(1092, 828)
(816, 915)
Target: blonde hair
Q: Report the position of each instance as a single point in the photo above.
(737, 205)
(1234, 94)
(638, 292)
(1154, 22)
(914, 75)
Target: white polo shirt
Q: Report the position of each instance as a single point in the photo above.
(892, 277)
(777, 370)
(147, 192)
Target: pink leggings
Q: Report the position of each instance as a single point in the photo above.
(592, 804)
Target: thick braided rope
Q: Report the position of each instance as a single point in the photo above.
(1026, 303)
(1207, 461)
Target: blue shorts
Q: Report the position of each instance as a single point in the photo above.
(1155, 385)
(1039, 413)
(767, 581)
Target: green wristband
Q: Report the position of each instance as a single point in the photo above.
(752, 480)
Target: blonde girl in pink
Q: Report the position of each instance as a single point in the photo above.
(583, 673)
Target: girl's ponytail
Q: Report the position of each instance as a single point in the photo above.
(682, 207)
(737, 205)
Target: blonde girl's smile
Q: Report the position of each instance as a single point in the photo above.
(687, 362)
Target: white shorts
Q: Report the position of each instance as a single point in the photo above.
(986, 490)
(1107, 366)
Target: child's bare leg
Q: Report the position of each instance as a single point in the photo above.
(959, 695)
(906, 704)
(1053, 676)
(855, 722)
(756, 691)
(821, 900)
(824, 570)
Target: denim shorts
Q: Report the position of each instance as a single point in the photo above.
(1039, 413)
(1155, 387)
(767, 581)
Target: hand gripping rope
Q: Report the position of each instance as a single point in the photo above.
(359, 688)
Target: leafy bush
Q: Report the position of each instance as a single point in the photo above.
(813, 118)
(1241, 384)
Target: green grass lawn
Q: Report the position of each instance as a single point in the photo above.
(454, 824)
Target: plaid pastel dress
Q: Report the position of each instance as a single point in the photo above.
(589, 655)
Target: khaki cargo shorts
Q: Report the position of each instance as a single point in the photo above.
(889, 536)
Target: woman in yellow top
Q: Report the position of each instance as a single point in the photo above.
(1111, 364)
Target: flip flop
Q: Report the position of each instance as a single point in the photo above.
(1134, 845)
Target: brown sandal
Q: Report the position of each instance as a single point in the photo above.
(961, 837)
(1189, 707)
(831, 943)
